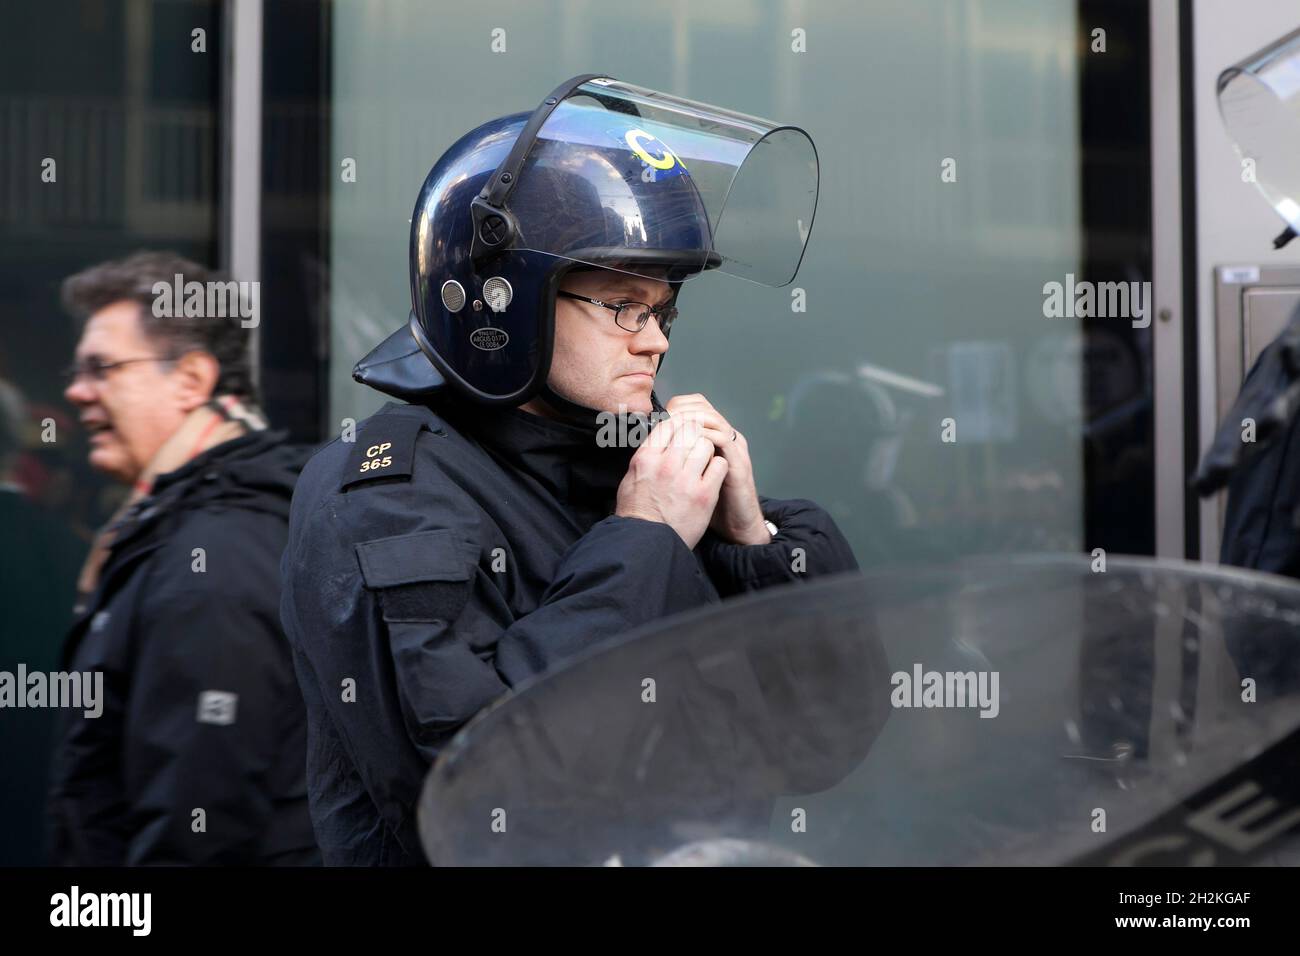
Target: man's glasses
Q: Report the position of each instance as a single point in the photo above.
(96, 369)
(631, 316)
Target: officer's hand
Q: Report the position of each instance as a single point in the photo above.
(738, 517)
(673, 478)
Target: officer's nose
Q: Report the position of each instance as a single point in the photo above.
(649, 341)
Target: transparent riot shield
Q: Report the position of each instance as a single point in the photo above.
(1036, 710)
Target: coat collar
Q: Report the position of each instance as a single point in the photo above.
(579, 465)
(171, 487)
(254, 471)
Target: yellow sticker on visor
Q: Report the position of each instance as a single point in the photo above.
(637, 140)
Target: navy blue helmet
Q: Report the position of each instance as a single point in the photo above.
(602, 174)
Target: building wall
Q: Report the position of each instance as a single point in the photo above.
(938, 285)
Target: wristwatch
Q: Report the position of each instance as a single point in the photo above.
(770, 527)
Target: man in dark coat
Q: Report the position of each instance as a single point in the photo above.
(515, 514)
(1256, 454)
(197, 753)
(452, 551)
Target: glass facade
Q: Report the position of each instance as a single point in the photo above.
(110, 126)
(908, 379)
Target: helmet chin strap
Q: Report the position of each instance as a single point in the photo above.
(576, 414)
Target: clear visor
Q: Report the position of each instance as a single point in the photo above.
(628, 178)
(1259, 99)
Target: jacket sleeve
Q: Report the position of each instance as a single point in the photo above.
(623, 573)
(422, 623)
(455, 648)
(807, 544)
(201, 728)
(1259, 527)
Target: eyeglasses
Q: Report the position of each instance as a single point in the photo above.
(96, 369)
(631, 316)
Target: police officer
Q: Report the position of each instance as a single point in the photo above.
(505, 518)
(1256, 452)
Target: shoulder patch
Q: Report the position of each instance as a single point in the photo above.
(386, 450)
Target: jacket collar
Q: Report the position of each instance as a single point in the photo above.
(255, 470)
(577, 464)
(211, 466)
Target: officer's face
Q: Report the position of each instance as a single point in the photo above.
(596, 363)
(129, 410)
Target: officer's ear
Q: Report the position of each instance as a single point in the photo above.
(196, 374)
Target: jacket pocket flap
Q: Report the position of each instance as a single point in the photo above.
(412, 558)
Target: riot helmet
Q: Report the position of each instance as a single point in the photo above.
(602, 174)
(1259, 100)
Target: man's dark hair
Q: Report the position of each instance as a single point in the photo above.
(133, 279)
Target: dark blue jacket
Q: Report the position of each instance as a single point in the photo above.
(1260, 529)
(201, 705)
(445, 556)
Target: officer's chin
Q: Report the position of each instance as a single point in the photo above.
(635, 392)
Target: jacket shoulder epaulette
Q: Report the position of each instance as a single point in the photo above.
(384, 447)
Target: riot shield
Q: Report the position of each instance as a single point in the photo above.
(1027, 710)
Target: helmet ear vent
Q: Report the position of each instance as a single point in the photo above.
(453, 295)
(497, 293)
